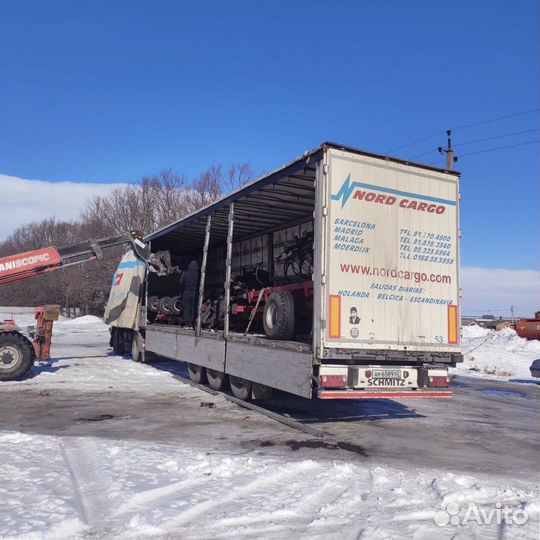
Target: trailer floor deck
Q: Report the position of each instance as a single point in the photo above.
(254, 339)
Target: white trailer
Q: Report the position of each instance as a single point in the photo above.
(384, 292)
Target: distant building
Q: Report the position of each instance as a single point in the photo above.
(487, 321)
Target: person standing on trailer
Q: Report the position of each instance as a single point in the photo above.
(189, 282)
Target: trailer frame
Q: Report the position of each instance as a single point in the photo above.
(300, 191)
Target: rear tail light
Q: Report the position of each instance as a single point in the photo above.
(439, 381)
(333, 381)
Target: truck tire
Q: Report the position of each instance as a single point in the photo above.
(137, 348)
(116, 341)
(241, 388)
(127, 339)
(278, 315)
(176, 305)
(16, 356)
(196, 373)
(216, 379)
(165, 305)
(153, 304)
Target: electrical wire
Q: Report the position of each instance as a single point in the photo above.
(424, 153)
(416, 142)
(481, 140)
(485, 310)
(488, 150)
(496, 119)
(482, 122)
(498, 136)
(498, 148)
(488, 337)
(439, 161)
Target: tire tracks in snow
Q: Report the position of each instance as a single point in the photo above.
(140, 501)
(252, 512)
(287, 473)
(89, 484)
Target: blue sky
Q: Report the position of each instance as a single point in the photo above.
(108, 91)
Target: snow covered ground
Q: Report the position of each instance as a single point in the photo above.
(76, 487)
(499, 355)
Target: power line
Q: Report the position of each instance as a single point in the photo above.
(482, 122)
(441, 161)
(488, 150)
(496, 119)
(426, 153)
(485, 310)
(498, 136)
(481, 140)
(499, 148)
(415, 142)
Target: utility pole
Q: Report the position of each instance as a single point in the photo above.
(450, 158)
(513, 311)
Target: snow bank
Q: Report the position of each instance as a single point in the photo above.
(502, 355)
(85, 319)
(474, 331)
(22, 319)
(25, 317)
(86, 323)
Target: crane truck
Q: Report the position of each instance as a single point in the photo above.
(17, 351)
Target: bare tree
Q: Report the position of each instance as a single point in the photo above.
(239, 175)
(154, 201)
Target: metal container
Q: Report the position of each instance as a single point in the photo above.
(529, 328)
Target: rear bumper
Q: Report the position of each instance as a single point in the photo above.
(383, 394)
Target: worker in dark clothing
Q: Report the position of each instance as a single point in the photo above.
(189, 282)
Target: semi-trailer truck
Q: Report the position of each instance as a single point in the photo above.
(335, 276)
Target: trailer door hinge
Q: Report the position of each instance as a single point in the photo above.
(325, 210)
(323, 279)
(325, 168)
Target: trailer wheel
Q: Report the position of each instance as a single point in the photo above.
(216, 379)
(241, 388)
(196, 373)
(278, 316)
(16, 356)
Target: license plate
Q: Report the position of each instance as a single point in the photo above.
(387, 374)
(386, 377)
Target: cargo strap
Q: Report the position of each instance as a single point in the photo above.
(254, 310)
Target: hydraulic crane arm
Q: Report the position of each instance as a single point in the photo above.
(40, 261)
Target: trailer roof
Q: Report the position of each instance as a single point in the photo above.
(284, 195)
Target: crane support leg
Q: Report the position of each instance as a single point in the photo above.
(42, 335)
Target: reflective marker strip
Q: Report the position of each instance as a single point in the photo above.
(453, 326)
(335, 316)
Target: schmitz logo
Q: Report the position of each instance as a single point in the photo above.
(388, 196)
